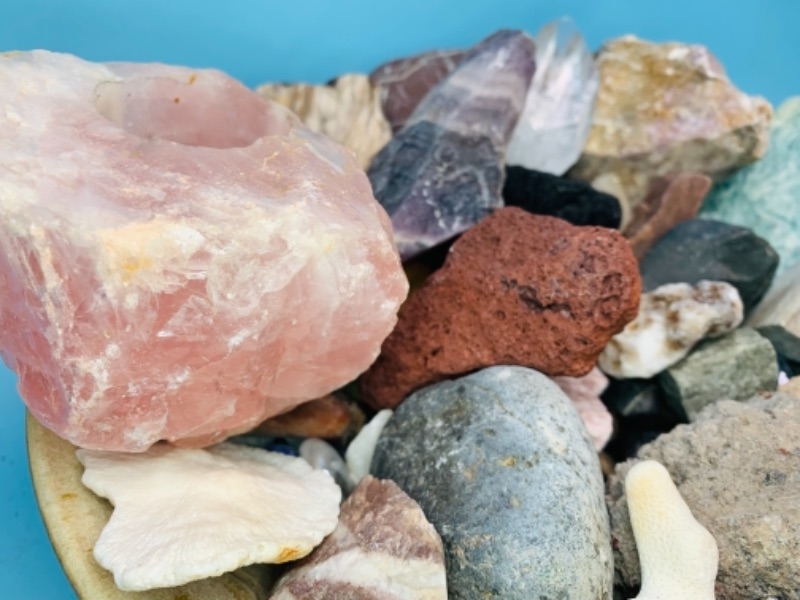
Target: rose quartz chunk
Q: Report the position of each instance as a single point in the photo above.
(179, 259)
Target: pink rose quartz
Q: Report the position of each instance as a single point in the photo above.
(585, 393)
(179, 258)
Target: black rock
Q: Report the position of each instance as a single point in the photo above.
(574, 201)
(632, 435)
(787, 347)
(704, 249)
(636, 398)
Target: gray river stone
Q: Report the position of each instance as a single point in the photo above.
(503, 467)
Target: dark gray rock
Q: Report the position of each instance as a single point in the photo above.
(786, 344)
(738, 468)
(502, 466)
(574, 201)
(641, 414)
(703, 249)
(443, 171)
(733, 367)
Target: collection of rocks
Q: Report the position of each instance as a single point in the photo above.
(592, 244)
(522, 288)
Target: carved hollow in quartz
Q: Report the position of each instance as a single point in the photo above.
(179, 258)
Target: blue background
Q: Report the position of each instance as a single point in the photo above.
(314, 40)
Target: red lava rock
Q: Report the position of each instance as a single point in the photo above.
(405, 81)
(516, 289)
(670, 200)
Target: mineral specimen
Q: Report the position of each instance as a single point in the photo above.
(585, 393)
(700, 249)
(517, 289)
(781, 305)
(764, 196)
(557, 116)
(502, 466)
(179, 258)
(347, 111)
(667, 108)
(671, 320)
(406, 81)
(732, 367)
(382, 549)
(670, 200)
(443, 172)
(574, 201)
(738, 469)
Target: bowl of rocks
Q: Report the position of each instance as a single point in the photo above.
(515, 320)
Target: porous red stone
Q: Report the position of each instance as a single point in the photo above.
(405, 82)
(670, 200)
(516, 289)
(179, 259)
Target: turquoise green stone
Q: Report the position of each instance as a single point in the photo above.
(765, 196)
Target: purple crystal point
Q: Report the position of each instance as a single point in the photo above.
(443, 172)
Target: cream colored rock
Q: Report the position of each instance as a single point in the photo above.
(348, 111)
(781, 305)
(671, 320)
(359, 453)
(182, 514)
(668, 108)
(678, 556)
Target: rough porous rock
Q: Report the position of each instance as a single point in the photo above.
(557, 116)
(574, 201)
(738, 469)
(671, 320)
(700, 249)
(791, 387)
(670, 200)
(668, 108)
(502, 466)
(585, 393)
(329, 417)
(406, 81)
(347, 111)
(764, 195)
(516, 289)
(733, 367)
(179, 258)
(382, 548)
(786, 344)
(443, 172)
(781, 304)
